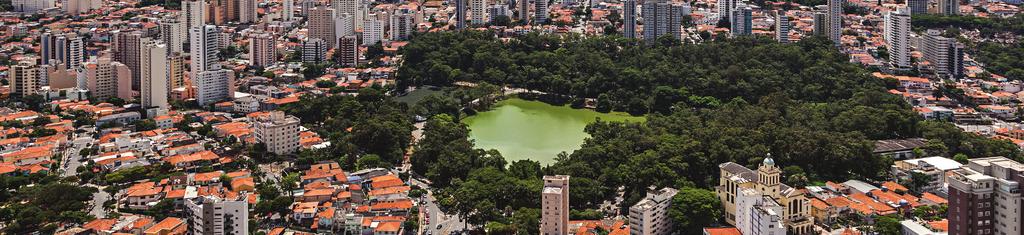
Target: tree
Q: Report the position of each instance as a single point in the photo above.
(918, 181)
(371, 161)
(325, 84)
(693, 209)
(144, 125)
(888, 225)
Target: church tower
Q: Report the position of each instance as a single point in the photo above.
(768, 177)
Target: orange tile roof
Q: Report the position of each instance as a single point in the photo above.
(100, 225)
(933, 198)
(941, 225)
(389, 227)
(396, 205)
(389, 190)
(168, 225)
(722, 231)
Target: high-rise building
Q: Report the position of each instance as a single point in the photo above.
(662, 17)
(781, 26)
(247, 11)
(154, 74)
(213, 86)
(261, 49)
(742, 20)
(460, 14)
(555, 205)
(350, 7)
(897, 38)
(498, 10)
(348, 49)
(25, 77)
(175, 71)
(321, 25)
(757, 213)
(523, 11)
(373, 30)
(279, 132)
(46, 47)
(69, 49)
(107, 79)
(629, 19)
(287, 10)
(820, 22)
(918, 6)
(945, 54)
(835, 21)
(402, 24)
(949, 7)
(478, 14)
(650, 215)
(306, 6)
(345, 25)
(540, 11)
(126, 49)
(205, 45)
(29, 6)
(985, 197)
(194, 14)
(76, 7)
(211, 215)
(314, 50)
(795, 213)
(173, 32)
(725, 8)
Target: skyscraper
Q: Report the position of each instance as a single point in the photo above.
(820, 22)
(46, 47)
(194, 13)
(348, 49)
(662, 17)
(949, 7)
(498, 10)
(541, 14)
(173, 32)
(345, 25)
(984, 197)
(629, 19)
(373, 30)
(288, 10)
(649, 216)
(945, 54)
(725, 8)
(918, 6)
(555, 205)
(261, 49)
(897, 38)
(24, 77)
(479, 12)
(350, 7)
(306, 6)
(523, 11)
(835, 20)
(781, 26)
(314, 50)
(205, 44)
(125, 47)
(69, 49)
(107, 79)
(402, 24)
(321, 25)
(247, 11)
(154, 74)
(741, 21)
(460, 14)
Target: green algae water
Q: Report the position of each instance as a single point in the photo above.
(522, 129)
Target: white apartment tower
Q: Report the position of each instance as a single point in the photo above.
(629, 19)
(173, 32)
(373, 30)
(742, 20)
(205, 45)
(279, 132)
(897, 38)
(725, 8)
(949, 7)
(288, 10)
(154, 75)
(261, 49)
(554, 218)
(107, 79)
(523, 10)
(835, 21)
(211, 215)
(945, 54)
(650, 215)
(213, 86)
(194, 14)
(345, 25)
(758, 214)
(781, 26)
(662, 17)
(402, 24)
(478, 11)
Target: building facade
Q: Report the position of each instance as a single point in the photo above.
(650, 215)
(662, 17)
(126, 48)
(279, 132)
(766, 180)
(107, 79)
(782, 26)
(945, 54)
(555, 205)
(985, 197)
(210, 215)
(154, 75)
(897, 38)
(314, 50)
(742, 20)
(835, 21)
(261, 49)
(321, 25)
(25, 77)
(629, 19)
(348, 47)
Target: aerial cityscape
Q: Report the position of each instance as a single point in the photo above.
(525, 117)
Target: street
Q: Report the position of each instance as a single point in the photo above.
(72, 160)
(98, 199)
(432, 215)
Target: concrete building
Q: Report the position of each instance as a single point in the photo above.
(662, 17)
(540, 11)
(460, 14)
(650, 215)
(107, 79)
(173, 32)
(350, 7)
(917, 6)
(742, 20)
(125, 47)
(478, 12)
(46, 47)
(305, 6)
(945, 54)
(314, 50)
(758, 214)
(279, 132)
(205, 45)
(31, 6)
(782, 26)
(321, 25)
(629, 19)
(213, 86)
(247, 11)
(820, 22)
(154, 75)
(985, 197)
(935, 168)
(725, 8)
(897, 38)
(523, 10)
(910, 227)
(345, 25)
(348, 49)
(498, 10)
(193, 14)
(76, 7)
(261, 49)
(555, 205)
(66, 48)
(948, 7)
(373, 30)
(835, 20)
(402, 24)
(175, 71)
(211, 215)
(287, 10)
(25, 77)
(767, 181)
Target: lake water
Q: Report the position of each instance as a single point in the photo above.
(522, 129)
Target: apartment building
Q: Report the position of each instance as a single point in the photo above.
(650, 215)
(212, 215)
(758, 214)
(555, 205)
(985, 198)
(278, 131)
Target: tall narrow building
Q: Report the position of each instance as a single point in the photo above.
(287, 10)
(918, 6)
(205, 45)
(523, 11)
(69, 49)
(742, 20)
(25, 77)
(173, 32)
(478, 12)
(725, 8)
(107, 79)
(373, 30)
(345, 25)
(261, 49)
(194, 14)
(126, 49)
(321, 25)
(348, 49)
(314, 50)
(247, 11)
(945, 54)
(555, 205)
(662, 17)
(649, 216)
(46, 47)
(949, 7)
(402, 24)
(781, 26)
(154, 75)
(835, 21)
(540, 12)
(820, 22)
(175, 71)
(460, 14)
(897, 38)
(629, 19)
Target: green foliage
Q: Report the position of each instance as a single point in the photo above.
(968, 144)
(1002, 59)
(987, 26)
(693, 209)
(28, 209)
(313, 71)
(445, 153)
(888, 225)
(487, 192)
(370, 161)
(144, 125)
(325, 84)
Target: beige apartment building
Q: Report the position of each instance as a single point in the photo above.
(107, 79)
(278, 131)
(555, 205)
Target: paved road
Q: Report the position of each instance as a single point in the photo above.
(72, 160)
(98, 199)
(449, 223)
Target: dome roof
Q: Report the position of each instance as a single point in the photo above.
(768, 161)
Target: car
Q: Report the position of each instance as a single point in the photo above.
(438, 226)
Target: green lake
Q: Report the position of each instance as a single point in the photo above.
(522, 129)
